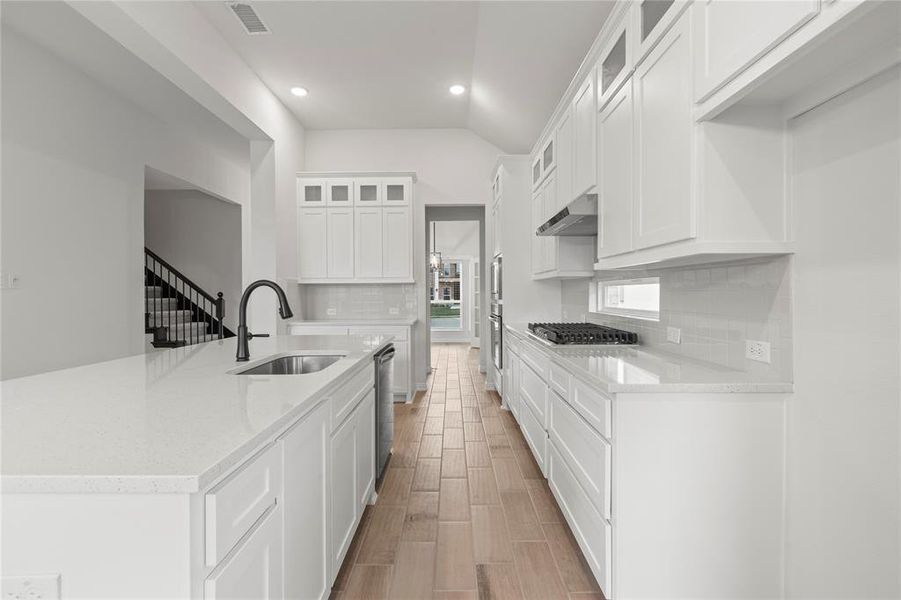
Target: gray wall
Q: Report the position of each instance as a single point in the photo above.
(200, 236)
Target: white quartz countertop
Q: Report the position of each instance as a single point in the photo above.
(624, 369)
(170, 421)
(359, 322)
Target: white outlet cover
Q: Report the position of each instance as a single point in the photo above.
(758, 351)
(31, 587)
(674, 335)
(393, 310)
(331, 312)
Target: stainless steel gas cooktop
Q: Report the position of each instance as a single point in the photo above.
(581, 334)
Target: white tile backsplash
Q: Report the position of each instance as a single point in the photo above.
(717, 307)
(343, 302)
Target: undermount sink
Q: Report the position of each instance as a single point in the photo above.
(293, 365)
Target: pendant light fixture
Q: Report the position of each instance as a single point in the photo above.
(434, 256)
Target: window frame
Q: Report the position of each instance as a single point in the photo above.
(597, 295)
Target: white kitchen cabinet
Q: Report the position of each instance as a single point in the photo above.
(397, 242)
(340, 237)
(368, 191)
(548, 209)
(652, 19)
(553, 256)
(496, 228)
(665, 135)
(584, 114)
(615, 173)
(312, 244)
(396, 191)
(545, 159)
(359, 229)
(305, 449)
(563, 189)
(617, 59)
(368, 261)
(254, 569)
(365, 433)
(731, 35)
(343, 505)
(339, 192)
(311, 193)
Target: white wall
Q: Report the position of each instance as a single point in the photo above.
(453, 166)
(843, 422)
(74, 155)
(200, 236)
(176, 39)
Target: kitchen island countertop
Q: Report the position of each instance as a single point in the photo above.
(170, 421)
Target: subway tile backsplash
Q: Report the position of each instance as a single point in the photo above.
(717, 307)
(352, 302)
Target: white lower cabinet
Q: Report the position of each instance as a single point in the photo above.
(254, 568)
(365, 433)
(593, 532)
(305, 455)
(343, 505)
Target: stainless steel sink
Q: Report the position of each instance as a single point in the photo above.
(293, 365)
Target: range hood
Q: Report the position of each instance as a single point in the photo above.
(579, 217)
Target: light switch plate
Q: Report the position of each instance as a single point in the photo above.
(757, 351)
(674, 335)
(31, 587)
(393, 310)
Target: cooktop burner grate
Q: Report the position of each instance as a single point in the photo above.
(582, 334)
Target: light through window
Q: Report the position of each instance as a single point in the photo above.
(639, 298)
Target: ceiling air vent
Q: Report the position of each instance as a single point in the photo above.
(249, 18)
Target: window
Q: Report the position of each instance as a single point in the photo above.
(446, 296)
(638, 298)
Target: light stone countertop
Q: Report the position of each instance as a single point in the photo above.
(637, 369)
(170, 421)
(359, 322)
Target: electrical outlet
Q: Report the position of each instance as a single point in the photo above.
(8, 281)
(674, 335)
(32, 587)
(757, 350)
(331, 312)
(393, 310)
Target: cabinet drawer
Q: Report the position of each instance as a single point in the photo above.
(255, 570)
(535, 435)
(593, 405)
(592, 532)
(558, 379)
(534, 392)
(349, 395)
(235, 504)
(535, 359)
(586, 452)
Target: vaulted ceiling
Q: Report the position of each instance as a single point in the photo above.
(374, 65)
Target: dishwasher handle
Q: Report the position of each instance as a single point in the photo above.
(386, 355)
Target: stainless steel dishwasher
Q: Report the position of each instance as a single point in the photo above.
(384, 407)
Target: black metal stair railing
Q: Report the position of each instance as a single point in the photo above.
(179, 312)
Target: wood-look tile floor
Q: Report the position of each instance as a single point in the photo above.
(463, 511)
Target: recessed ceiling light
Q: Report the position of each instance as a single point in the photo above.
(299, 91)
(457, 89)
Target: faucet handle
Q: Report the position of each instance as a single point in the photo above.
(253, 335)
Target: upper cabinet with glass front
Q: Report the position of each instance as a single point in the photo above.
(652, 18)
(355, 227)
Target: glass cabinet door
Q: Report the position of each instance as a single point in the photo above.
(396, 191)
(368, 192)
(340, 192)
(310, 192)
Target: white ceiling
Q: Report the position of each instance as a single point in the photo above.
(373, 65)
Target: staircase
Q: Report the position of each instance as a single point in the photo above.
(177, 311)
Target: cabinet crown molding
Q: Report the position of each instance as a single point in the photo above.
(352, 174)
